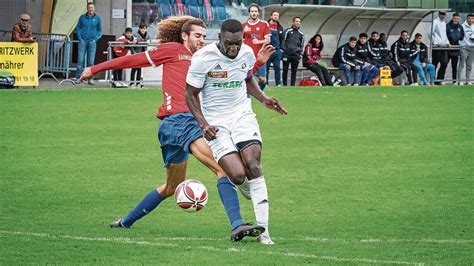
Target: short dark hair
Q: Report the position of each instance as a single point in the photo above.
(470, 15)
(90, 3)
(374, 32)
(363, 35)
(254, 5)
(403, 31)
(142, 25)
(456, 14)
(128, 30)
(418, 35)
(352, 39)
(231, 25)
(294, 18)
(271, 14)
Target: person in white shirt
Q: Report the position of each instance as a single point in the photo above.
(217, 84)
(440, 40)
(467, 51)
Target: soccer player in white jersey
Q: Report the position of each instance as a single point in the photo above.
(222, 73)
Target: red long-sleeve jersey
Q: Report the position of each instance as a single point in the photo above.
(313, 53)
(176, 59)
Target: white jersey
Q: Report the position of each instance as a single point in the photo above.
(222, 79)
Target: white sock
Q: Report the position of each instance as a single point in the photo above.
(259, 194)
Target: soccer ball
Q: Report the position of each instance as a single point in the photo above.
(191, 195)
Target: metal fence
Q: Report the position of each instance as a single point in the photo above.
(54, 54)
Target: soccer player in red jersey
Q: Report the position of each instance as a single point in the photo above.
(179, 133)
(256, 34)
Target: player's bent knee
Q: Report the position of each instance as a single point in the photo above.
(238, 179)
(254, 170)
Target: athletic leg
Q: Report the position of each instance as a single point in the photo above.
(175, 174)
(286, 64)
(294, 69)
(258, 188)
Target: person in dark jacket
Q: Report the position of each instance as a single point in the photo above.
(312, 53)
(369, 71)
(141, 36)
(419, 57)
(292, 46)
(387, 58)
(455, 33)
(276, 30)
(345, 59)
(401, 55)
(89, 31)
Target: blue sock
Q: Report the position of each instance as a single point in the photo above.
(145, 206)
(262, 85)
(230, 200)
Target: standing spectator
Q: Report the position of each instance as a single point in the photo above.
(369, 71)
(119, 51)
(419, 57)
(345, 59)
(256, 34)
(276, 30)
(467, 50)
(312, 53)
(292, 45)
(22, 31)
(455, 35)
(401, 55)
(141, 36)
(89, 31)
(440, 40)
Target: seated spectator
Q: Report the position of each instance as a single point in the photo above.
(312, 53)
(387, 59)
(369, 71)
(120, 51)
(22, 31)
(401, 55)
(344, 58)
(419, 58)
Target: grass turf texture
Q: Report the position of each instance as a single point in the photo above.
(355, 175)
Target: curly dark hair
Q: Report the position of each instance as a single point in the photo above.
(170, 29)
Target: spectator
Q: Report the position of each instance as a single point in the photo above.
(387, 59)
(89, 31)
(467, 50)
(276, 30)
(345, 59)
(141, 36)
(369, 71)
(120, 51)
(292, 45)
(312, 53)
(455, 34)
(401, 55)
(419, 57)
(256, 34)
(440, 41)
(22, 30)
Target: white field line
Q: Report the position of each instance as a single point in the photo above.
(202, 247)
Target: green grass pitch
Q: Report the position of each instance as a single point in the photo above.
(355, 176)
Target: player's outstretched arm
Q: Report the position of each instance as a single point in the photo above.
(269, 102)
(138, 60)
(194, 104)
(263, 55)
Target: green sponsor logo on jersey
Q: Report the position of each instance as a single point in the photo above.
(228, 85)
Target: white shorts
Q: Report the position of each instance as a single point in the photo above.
(233, 131)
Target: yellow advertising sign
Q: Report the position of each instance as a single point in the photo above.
(20, 59)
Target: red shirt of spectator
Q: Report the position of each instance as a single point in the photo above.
(312, 52)
(257, 30)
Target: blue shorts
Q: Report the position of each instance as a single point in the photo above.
(176, 133)
(261, 72)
